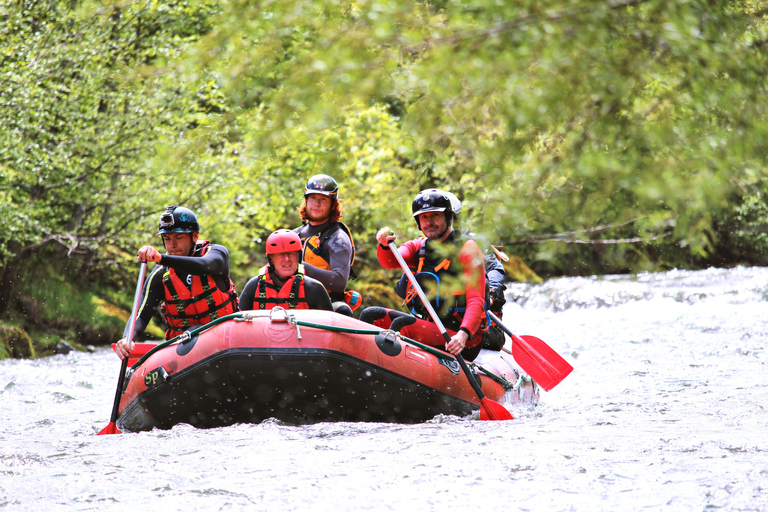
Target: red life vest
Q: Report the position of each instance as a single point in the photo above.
(203, 302)
(290, 296)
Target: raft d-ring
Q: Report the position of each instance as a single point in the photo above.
(287, 317)
(278, 309)
(387, 332)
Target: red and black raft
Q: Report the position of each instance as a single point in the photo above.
(305, 366)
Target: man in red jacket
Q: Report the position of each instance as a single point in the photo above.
(450, 268)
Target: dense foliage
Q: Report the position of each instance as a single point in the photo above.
(82, 121)
(567, 126)
(587, 136)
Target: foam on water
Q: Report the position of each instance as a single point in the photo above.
(665, 410)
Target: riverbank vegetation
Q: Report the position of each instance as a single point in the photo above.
(584, 137)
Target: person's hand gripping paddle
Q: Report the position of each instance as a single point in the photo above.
(489, 410)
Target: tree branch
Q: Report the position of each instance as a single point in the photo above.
(567, 237)
(505, 26)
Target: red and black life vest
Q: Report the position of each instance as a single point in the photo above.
(199, 304)
(290, 296)
(431, 270)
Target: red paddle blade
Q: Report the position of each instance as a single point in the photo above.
(109, 429)
(139, 350)
(490, 410)
(537, 359)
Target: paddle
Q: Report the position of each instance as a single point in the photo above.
(112, 427)
(489, 410)
(536, 358)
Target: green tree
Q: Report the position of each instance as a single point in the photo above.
(82, 109)
(586, 122)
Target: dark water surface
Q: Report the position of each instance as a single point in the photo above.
(665, 410)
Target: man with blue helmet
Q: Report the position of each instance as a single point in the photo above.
(191, 280)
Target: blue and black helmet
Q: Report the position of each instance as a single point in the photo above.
(177, 219)
(322, 184)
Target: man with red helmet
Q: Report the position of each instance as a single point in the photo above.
(282, 281)
(328, 247)
(450, 268)
(191, 280)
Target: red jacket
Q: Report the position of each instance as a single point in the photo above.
(473, 268)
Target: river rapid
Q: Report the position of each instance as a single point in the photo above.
(665, 410)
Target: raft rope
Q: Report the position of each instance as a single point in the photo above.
(187, 335)
(244, 316)
(506, 384)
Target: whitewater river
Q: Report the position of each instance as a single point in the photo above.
(665, 410)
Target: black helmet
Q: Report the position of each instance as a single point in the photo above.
(177, 219)
(322, 184)
(430, 200)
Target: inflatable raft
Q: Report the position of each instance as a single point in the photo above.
(305, 366)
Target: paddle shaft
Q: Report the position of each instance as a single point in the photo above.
(504, 328)
(497, 321)
(131, 326)
(472, 381)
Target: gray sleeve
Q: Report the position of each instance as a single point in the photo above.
(340, 252)
(495, 272)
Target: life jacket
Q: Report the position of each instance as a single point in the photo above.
(429, 273)
(203, 302)
(316, 254)
(269, 295)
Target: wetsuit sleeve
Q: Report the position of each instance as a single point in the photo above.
(408, 251)
(214, 262)
(316, 295)
(495, 272)
(249, 293)
(473, 267)
(152, 294)
(339, 254)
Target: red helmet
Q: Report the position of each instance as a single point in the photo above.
(283, 240)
